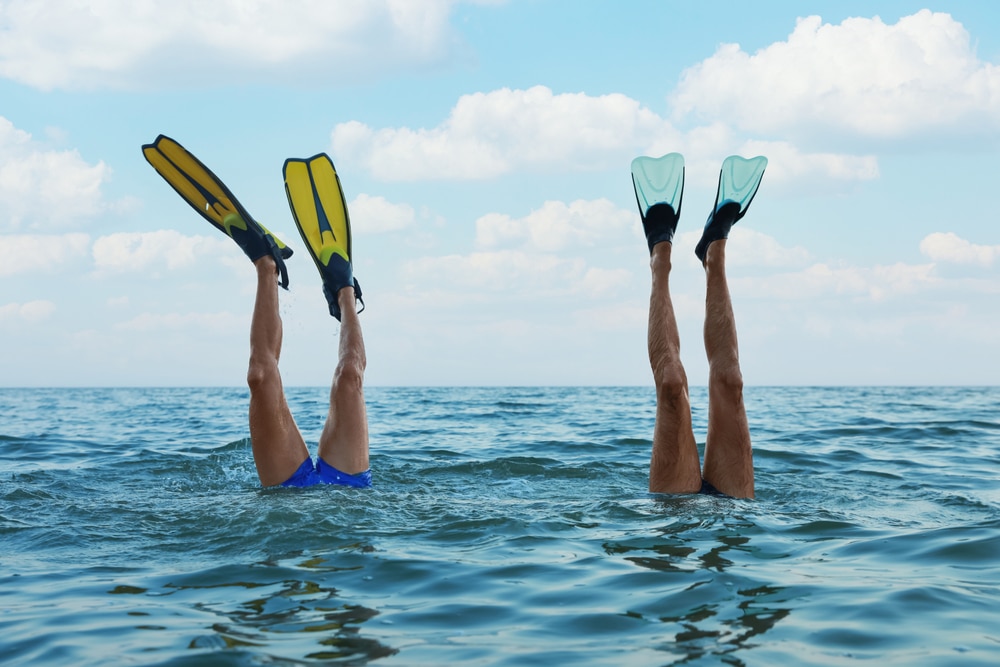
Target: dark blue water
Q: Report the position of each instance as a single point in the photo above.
(506, 527)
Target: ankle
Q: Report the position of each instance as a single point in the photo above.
(659, 259)
(266, 265)
(346, 298)
(715, 254)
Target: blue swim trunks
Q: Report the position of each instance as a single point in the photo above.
(322, 472)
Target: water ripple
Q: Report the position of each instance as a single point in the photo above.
(506, 526)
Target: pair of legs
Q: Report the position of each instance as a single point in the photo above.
(674, 467)
(278, 447)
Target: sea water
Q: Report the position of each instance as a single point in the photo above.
(506, 526)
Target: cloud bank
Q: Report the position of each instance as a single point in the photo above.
(139, 251)
(951, 248)
(41, 253)
(490, 134)
(861, 77)
(120, 44)
(40, 185)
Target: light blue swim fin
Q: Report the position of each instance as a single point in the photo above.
(659, 191)
(739, 179)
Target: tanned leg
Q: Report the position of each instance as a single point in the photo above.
(278, 447)
(728, 454)
(674, 464)
(344, 443)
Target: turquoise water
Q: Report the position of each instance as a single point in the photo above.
(506, 527)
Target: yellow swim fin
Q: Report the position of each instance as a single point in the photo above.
(317, 202)
(208, 195)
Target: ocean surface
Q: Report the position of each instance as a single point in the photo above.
(506, 526)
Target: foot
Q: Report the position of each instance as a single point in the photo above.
(719, 223)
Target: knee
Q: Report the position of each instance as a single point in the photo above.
(261, 372)
(350, 373)
(727, 378)
(671, 382)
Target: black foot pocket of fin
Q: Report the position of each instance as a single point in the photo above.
(257, 243)
(280, 255)
(659, 224)
(331, 298)
(717, 227)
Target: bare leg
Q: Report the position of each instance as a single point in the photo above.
(674, 465)
(728, 454)
(278, 447)
(344, 443)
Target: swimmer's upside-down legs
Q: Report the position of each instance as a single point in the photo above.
(278, 447)
(674, 466)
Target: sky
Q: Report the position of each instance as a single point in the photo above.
(484, 150)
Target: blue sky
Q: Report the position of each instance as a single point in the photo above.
(484, 149)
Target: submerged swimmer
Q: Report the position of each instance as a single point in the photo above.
(674, 466)
(317, 203)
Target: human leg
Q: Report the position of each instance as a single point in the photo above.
(673, 467)
(728, 454)
(344, 442)
(278, 447)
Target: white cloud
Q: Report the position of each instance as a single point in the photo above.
(51, 44)
(137, 251)
(375, 215)
(505, 270)
(489, 134)
(820, 78)
(510, 272)
(32, 311)
(706, 146)
(822, 280)
(551, 251)
(557, 225)
(28, 253)
(599, 282)
(201, 322)
(45, 186)
(538, 255)
(861, 76)
(949, 247)
(788, 164)
(628, 316)
(749, 248)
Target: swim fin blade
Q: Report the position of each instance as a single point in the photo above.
(659, 191)
(210, 197)
(316, 199)
(739, 180)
